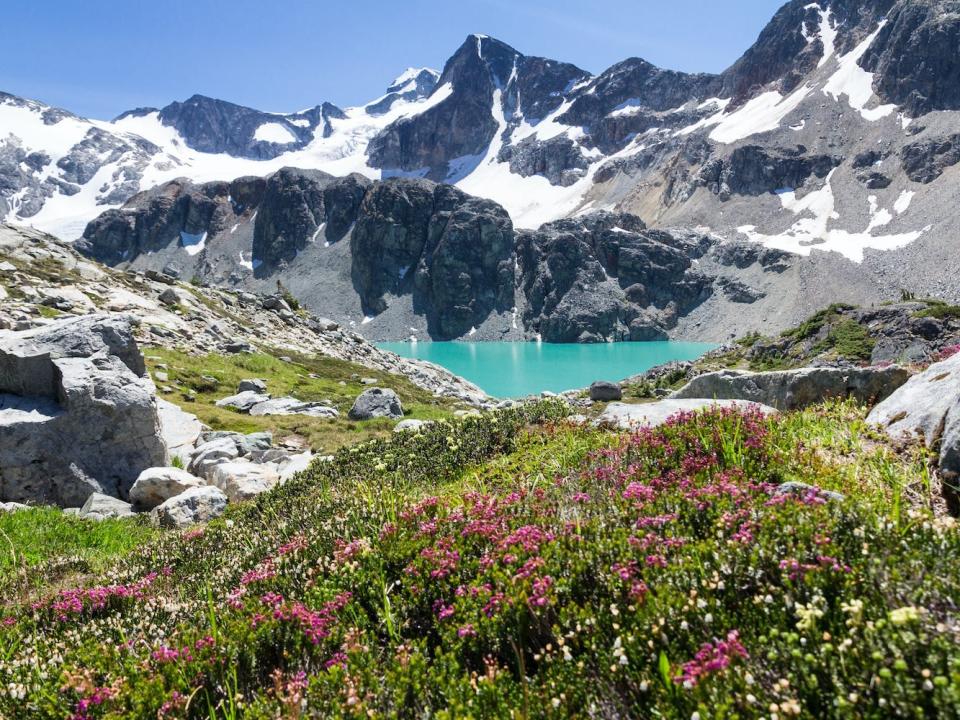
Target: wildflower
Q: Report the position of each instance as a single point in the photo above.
(808, 614)
(904, 615)
(712, 657)
(854, 609)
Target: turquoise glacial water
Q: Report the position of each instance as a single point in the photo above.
(515, 369)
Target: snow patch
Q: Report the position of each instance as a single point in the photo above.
(274, 133)
(814, 232)
(762, 114)
(903, 202)
(193, 243)
(856, 83)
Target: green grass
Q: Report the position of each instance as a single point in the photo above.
(40, 545)
(48, 312)
(940, 311)
(199, 381)
(814, 323)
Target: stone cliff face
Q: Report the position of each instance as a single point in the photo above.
(605, 276)
(916, 56)
(453, 259)
(452, 252)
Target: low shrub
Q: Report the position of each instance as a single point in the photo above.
(517, 566)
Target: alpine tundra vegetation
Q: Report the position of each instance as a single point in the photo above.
(223, 496)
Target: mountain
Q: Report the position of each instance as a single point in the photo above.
(833, 138)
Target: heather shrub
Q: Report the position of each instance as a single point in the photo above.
(519, 566)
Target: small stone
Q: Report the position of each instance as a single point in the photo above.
(199, 504)
(156, 485)
(169, 297)
(253, 385)
(100, 507)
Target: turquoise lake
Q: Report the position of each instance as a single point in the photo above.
(515, 369)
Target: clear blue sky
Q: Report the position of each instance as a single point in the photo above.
(101, 57)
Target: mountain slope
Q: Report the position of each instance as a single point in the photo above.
(835, 132)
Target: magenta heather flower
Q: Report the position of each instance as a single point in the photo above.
(712, 657)
(466, 631)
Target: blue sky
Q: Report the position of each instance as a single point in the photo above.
(101, 57)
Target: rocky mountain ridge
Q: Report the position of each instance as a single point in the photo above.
(832, 138)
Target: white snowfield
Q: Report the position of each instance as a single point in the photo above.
(530, 201)
(274, 133)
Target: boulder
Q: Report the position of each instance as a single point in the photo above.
(169, 297)
(927, 408)
(293, 465)
(252, 385)
(242, 479)
(628, 417)
(12, 506)
(179, 430)
(100, 507)
(26, 357)
(603, 391)
(195, 505)
(212, 453)
(292, 406)
(410, 425)
(155, 485)
(793, 389)
(243, 401)
(76, 415)
(254, 444)
(376, 402)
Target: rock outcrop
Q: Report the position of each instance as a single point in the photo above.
(604, 276)
(794, 389)
(76, 415)
(927, 408)
(631, 417)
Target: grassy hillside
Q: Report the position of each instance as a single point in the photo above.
(518, 566)
(198, 381)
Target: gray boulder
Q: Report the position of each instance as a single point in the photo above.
(603, 391)
(793, 389)
(927, 408)
(212, 453)
(628, 417)
(155, 485)
(376, 402)
(26, 357)
(179, 430)
(169, 297)
(195, 505)
(243, 401)
(292, 406)
(76, 415)
(252, 385)
(100, 507)
(410, 425)
(242, 480)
